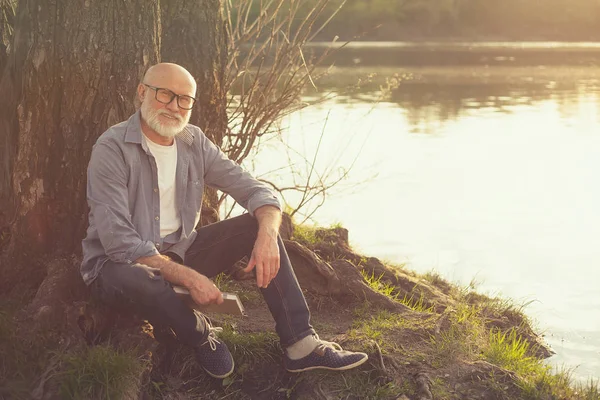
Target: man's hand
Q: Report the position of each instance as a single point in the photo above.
(202, 289)
(265, 255)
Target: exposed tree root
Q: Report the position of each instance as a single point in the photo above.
(339, 278)
(423, 387)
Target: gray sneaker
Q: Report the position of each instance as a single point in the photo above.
(213, 355)
(327, 355)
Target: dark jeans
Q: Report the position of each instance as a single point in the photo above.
(216, 248)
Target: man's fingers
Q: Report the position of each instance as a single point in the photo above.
(275, 268)
(266, 274)
(251, 264)
(259, 274)
(217, 295)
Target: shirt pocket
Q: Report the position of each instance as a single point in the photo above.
(195, 189)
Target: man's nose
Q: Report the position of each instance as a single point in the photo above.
(172, 106)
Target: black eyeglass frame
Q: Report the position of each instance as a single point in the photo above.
(156, 89)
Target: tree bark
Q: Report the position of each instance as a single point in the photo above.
(7, 16)
(71, 74)
(193, 36)
(7, 102)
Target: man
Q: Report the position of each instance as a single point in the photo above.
(145, 182)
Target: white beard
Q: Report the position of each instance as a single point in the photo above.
(151, 117)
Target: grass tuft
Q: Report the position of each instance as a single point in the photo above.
(305, 234)
(508, 350)
(249, 348)
(354, 384)
(588, 391)
(382, 327)
(416, 304)
(434, 278)
(226, 284)
(98, 372)
(461, 340)
(378, 285)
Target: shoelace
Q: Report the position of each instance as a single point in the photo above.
(331, 345)
(212, 337)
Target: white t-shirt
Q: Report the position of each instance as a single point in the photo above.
(166, 162)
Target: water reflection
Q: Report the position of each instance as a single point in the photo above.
(432, 97)
(434, 103)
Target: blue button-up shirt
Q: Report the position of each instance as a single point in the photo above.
(124, 200)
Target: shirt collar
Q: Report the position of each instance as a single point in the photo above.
(133, 134)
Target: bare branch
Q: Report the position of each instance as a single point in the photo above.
(268, 69)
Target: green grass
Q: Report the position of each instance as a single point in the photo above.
(387, 289)
(455, 343)
(461, 340)
(491, 307)
(361, 383)
(434, 278)
(88, 373)
(376, 326)
(508, 350)
(536, 379)
(336, 225)
(98, 372)
(588, 391)
(226, 284)
(252, 352)
(21, 359)
(466, 339)
(378, 285)
(305, 234)
(416, 304)
(250, 348)
(440, 389)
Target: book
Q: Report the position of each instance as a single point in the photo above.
(231, 303)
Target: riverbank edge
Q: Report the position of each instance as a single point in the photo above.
(428, 339)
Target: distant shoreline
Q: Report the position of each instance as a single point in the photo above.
(458, 53)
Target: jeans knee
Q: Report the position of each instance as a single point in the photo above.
(147, 283)
(248, 223)
(137, 283)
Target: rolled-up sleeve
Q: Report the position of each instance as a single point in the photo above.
(225, 175)
(108, 198)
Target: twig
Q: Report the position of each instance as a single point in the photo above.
(380, 356)
(320, 392)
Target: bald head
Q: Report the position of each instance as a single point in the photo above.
(171, 76)
(163, 114)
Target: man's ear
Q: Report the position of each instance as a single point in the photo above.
(141, 92)
(138, 98)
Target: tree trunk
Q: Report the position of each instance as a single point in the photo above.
(193, 36)
(72, 73)
(7, 16)
(7, 101)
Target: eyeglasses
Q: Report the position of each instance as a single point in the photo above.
(166, 96)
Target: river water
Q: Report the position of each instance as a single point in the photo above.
(478, 171)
